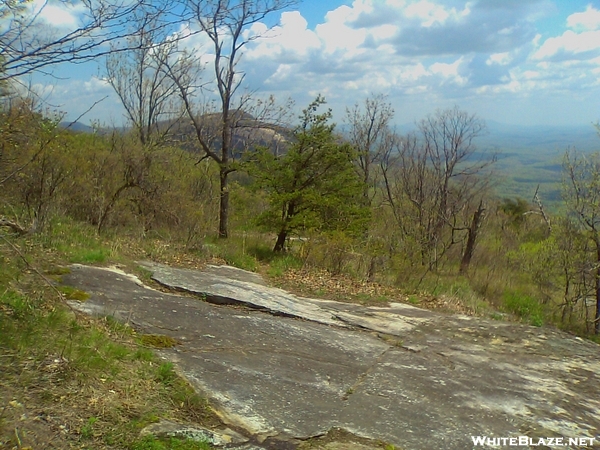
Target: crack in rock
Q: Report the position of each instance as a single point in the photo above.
(363, 376)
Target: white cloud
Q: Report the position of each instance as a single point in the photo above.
(58, 14)
(336, 34)
(582, 38)
(499, 58)
(414, 72)
(97, 85)
(291, 39)
(451, 72)
(421, 53)
(430, 13)
(376, 45)
(283, 73)
(568, 44)
(587, 20)
(531, 74)
(384, 32)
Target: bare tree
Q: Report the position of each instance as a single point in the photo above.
(28, 44)
(141, 79)
(411, 191)
(448, 142)
(371, 137)
(582, 197)
(223, 22)
(472, 232)
(435, 177)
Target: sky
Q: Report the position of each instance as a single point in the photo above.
(522, 62)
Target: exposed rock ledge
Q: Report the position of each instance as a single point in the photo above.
(311, 365)
(227, 285)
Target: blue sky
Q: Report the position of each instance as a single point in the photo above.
(525, 62)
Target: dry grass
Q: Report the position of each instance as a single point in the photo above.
(69, 381)
(320, 283)
(89, 386)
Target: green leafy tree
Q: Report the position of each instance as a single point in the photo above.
(314, 184)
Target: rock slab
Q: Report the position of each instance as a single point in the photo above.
(276, 371)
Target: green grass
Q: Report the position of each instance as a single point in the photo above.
(79, 242)
(459, 288)
(88, 355)
(165, 374)
(143, 354)
(87, 431)
(152, 443)
(282, 263)
(524, 306)
(413, 300)
(44, 345)
(241, 261)
(234, 251)
(370, 299)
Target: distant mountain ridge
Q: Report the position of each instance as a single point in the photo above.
(77, 127)
(528, 156)
(247, 130)
(532, 156)
(499, 135)
(549, 138)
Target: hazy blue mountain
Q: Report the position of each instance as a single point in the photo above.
(532, 156)
(77, 127)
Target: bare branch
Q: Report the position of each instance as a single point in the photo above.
(28, 44)
(224, 23)
(13, 226)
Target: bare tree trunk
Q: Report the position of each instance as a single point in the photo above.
(109, 206)
(472, 238)
(372, 269)
(288, 213)
(280, 244)
(224, 204)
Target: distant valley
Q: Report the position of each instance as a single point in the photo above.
(533, 155)
(529, 156)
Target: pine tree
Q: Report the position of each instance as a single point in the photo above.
(312, 186)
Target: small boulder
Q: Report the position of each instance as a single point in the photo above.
(218, 438)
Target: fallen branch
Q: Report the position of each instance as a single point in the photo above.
(13, 226)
